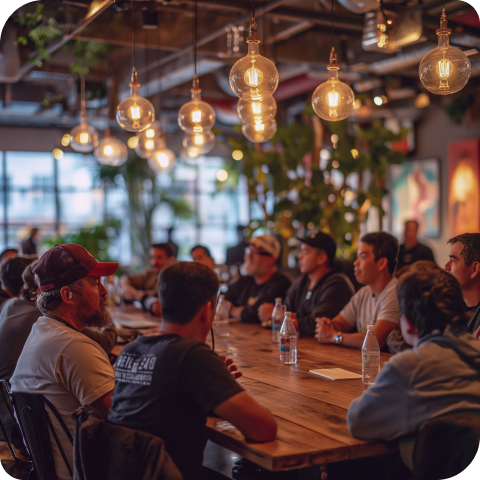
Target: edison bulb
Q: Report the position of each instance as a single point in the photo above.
(192, 159)
(253, 78)
(198, 143)
(445, 69)
(333, 100)
(162, 160)
(196, 116)
(83, 137)
(153, 138)
(259, 132)
(135, 113)
(250, 112)
(111, 151)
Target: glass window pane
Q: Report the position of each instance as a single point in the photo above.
(30, 170)
(76, 171)
(81, 209)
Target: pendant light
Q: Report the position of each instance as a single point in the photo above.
(254, 78)
(196, 116)
(333, 99)
(259, 132)
(198, 143)
(444, 70)
(110, 150)
(135, 113)
(149, 140)
(83, 137)
(249, 112)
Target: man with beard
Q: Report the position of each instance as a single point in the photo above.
(58, 361)
(263, 283)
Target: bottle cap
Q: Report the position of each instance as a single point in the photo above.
(288, 313)
(279, 299)
(370, 327)
(221, 296)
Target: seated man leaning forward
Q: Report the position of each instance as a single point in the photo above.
(321, 291)
(375, 303)
(138, 285)
(440, 375)
(58, 361)
(262, 284)
(167, 383)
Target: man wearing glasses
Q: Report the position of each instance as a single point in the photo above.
(263, 282)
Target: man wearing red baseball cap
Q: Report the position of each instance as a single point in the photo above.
(58, 361)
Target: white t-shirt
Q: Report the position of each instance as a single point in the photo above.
(365, 308)
(68, 369)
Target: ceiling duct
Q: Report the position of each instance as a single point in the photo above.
(360, 6)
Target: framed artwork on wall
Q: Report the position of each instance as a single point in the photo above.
(464, 187)
(415, 195)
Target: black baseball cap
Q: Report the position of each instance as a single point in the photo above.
(322, 241)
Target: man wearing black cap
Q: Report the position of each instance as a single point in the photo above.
(321, 291)
(58, 361)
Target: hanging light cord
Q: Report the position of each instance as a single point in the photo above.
(253, 8)
(133, 32)
(195, 40)
(333, 31)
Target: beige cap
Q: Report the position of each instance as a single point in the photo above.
(268, 243)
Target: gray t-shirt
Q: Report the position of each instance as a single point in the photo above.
(16, 320)
(365, 308)
(68, 369)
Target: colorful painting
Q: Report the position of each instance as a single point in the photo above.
(464, 187)
(415, 195)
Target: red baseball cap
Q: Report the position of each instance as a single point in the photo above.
(65, 264)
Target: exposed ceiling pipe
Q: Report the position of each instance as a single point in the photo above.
(259, 11)
(53, 48)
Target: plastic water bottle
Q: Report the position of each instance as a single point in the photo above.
(288, 341)
(220, 324)
(370, 357)
(277, 318)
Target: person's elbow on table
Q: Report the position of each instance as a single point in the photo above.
(252, 419)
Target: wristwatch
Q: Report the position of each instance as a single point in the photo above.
(338, 339)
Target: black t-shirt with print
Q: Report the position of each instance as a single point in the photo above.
(166, 385)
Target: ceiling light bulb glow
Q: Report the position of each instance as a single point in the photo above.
(253, 77)
(150, 140)
(84, 138)
(333, 100)
(132, 142)
(107, 150)
(198, 143)
(66, 140)
(263, 111)
(259, 132)
(445, 69)
(162, 160)
(57, 154)
(150, 132)
(222, 175)
(237, 155)
(111, 151)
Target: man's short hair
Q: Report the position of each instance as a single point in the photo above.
(205, 250)
(383, 245)
(50, 300)
(7, 251)
(184, 288)
(30, 288)
(412, 221)
(166, 247)
(430, 298)
(470, 247)
(11, 270)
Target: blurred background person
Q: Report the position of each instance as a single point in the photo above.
(201, 254)
(29, 245)
(11, 270)
(412, 250)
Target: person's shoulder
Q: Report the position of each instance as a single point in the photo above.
(340, 279)
(160, 343)
(281, 277)
(391, 287)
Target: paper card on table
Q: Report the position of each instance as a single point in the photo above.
(335, 373)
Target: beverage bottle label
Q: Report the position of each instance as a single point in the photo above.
(284, 344)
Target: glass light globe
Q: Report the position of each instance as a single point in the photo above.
(259, 132)
(250, 112)
(83, 137)
(192, 159)
(196, 116)
(161, 160)
(333, 99)
(445, 69)
(254, 78)
(135, 113)
(111, 151)
(153, 138)
(198, 143)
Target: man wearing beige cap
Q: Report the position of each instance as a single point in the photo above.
(58, 361)
(263, 282)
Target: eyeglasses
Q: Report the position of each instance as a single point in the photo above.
(257, 252)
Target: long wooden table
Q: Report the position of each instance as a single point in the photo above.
(310, 410)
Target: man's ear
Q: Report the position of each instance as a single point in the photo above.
(412, 329)
(382, 263)
(475, 270)
(205, 312)
(67, 296)
(322, 259)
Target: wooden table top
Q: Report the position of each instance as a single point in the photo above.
(310, 410)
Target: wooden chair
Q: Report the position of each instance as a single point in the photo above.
(446, 445)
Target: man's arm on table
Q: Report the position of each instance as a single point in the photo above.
(327, 329)
(251, 418)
